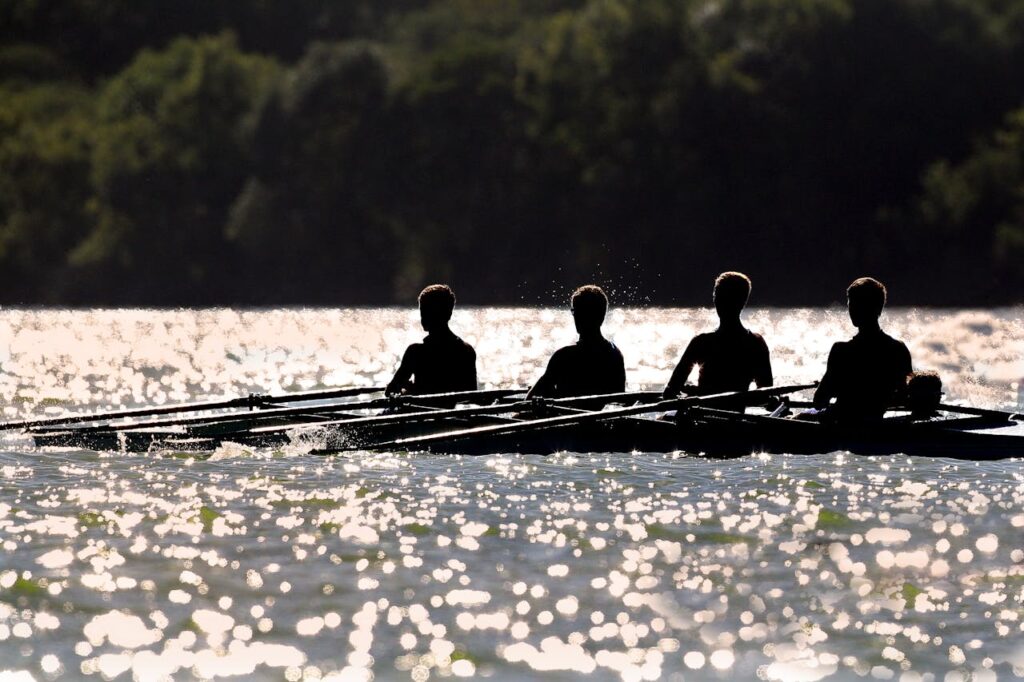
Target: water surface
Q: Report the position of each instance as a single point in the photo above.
(634, 566)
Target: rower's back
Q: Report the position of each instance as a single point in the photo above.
(868, 373)
(591, 366)
(730, 358)
(727, 360)
(443, 362)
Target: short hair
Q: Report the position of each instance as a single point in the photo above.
(924, 391)
(733, 286)
(869, 291)
(439, 297)
(590, 301)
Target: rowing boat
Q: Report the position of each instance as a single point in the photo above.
(725, 434)
(257, 420)
(502, 421)
(344, 425)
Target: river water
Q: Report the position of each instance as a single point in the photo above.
(284, 565)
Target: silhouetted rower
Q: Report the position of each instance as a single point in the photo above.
(591, 366)
(729, 358)
(443, 362)
(868, 373)
(924, 395)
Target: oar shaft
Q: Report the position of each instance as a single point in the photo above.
(428, 415)
(250, 401)
(982, 412)
(604, 398)
(432, 415)
(401, 418)
(573, 419)
(281, 412)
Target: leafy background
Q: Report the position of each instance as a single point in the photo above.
(267, 152)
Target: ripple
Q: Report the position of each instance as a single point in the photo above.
(612, 566)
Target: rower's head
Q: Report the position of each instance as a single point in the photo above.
(924, 393)
(865, 298)
(436, 305)
(589, 305)
(732, 289)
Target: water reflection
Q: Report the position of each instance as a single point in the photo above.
(51, 360)
(630, 567)
(277, 564)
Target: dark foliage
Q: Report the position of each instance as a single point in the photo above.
(350, 151)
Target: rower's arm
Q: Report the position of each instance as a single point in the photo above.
(620, 372)
(675, 384)
(471, 384)
(546, 385)
(763, 376)
(404, 374)
(827, 386)
(905, 370)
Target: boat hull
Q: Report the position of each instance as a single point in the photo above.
(713, 433)
(737, 437)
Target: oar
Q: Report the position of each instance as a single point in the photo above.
(997, 415)
(600, 399)
(354, 424)
(279, 412)
(251, 401)
(982, 412)
(457, 412)
(423, 442)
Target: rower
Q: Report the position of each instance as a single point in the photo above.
(591, 366)
(443, 362)
(924, 395)
(729, 358)
(867, 374)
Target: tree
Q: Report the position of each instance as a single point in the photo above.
(168, 159)
(312, 216)
(971, 218)
(97, 38)
(45, 148)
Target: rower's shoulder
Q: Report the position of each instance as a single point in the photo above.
(704, 340)
(451, 342)
(464, 345)
(755, 338)
(840, 348)
(413, 355)
(890, 339)
(414, 349)
(564, 353)
(610, 351)
(893, 345)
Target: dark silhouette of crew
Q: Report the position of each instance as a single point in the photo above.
(729, 358)
(591, 366)
(443, 362)
(868, 373)
(924, 395)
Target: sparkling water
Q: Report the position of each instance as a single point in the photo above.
(278, 564)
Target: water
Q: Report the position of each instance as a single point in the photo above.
(283, 565)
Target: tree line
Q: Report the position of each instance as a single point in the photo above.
(270, 152)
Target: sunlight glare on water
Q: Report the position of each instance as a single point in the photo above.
(283, 565)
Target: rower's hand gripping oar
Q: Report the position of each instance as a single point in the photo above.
(567, 420)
